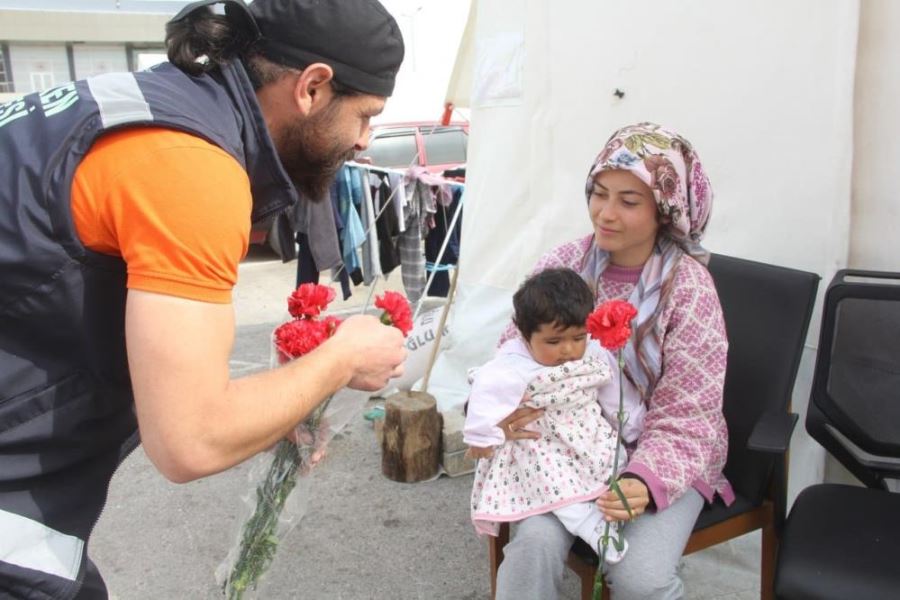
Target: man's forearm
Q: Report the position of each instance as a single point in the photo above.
(224, 425)
(268, 405)
(194, 419)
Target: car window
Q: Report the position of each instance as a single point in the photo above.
(393, 149)
(445, 146)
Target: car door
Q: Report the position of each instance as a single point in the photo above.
(444, 147)
(395, 148)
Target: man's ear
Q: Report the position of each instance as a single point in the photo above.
(312, 89)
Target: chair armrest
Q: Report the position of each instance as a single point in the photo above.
(772, 433)
(890, 465)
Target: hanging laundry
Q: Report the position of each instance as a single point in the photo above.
(440, 264)
(427, 194)
(386, 223)
(371, 265)
(340, 273)
(376, 219)
(350, 195)
(316, 220)
(400, 202)
(412, 256)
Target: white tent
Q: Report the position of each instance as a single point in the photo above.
(791, 106)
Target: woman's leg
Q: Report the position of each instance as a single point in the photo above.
(534, 560)
(656, 542)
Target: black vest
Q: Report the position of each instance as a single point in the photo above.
(66, 406)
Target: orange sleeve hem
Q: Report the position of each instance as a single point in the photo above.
(190, 291)
(173, 206)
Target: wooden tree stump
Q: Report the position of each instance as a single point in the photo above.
(411, 442)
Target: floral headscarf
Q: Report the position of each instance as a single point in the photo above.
(667, 163)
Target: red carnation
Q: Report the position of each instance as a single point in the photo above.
(309, 300)
(301, 336)
(610, 323)
(396, 311)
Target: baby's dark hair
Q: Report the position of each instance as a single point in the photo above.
(557, 296)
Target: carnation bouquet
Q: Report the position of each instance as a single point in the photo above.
(610, 324)
(276, 506)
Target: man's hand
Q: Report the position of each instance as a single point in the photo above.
(302, 436)
(374, 351)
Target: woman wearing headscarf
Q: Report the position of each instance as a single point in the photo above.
(649, 201)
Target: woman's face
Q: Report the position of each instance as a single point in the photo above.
(623, 211)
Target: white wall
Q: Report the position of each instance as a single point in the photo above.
(94, 27)
(96, 59)
(763, 89)
(874, 243)
(47, 63)
(144, 59)
(431, 31)
(875, 206)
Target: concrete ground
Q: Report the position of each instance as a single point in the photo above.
(363, 537)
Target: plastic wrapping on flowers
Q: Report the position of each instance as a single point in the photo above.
(278, 491)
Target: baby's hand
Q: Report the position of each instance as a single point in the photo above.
(474, 453)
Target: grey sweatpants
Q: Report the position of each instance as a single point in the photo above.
(534, 561)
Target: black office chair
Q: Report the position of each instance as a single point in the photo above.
(767, 311)
(843, 541)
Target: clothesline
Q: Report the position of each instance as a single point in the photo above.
(353, 163)
(385, 204)
(395, 171)
(421, 301)
(340, 273)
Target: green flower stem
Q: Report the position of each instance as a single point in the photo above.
(613, 485)
(259, 535)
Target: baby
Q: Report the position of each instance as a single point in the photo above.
(554, 367)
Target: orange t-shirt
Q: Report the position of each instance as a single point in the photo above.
(174, 207)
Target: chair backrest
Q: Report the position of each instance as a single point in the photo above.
(856, 384)
(767, 311)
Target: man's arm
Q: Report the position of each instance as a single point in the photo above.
(195, 420)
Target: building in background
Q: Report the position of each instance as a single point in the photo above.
(47, 43)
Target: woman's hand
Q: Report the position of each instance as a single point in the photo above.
(474, 452)
(637, 494)
(513, 425)
(513, 429)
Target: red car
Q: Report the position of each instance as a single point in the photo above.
(426, 143)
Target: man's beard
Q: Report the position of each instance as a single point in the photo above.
(309, 155)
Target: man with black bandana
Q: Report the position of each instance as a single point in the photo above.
(126, 206)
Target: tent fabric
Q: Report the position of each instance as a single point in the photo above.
(764, 91)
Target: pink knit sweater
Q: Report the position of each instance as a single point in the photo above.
(685, 441)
